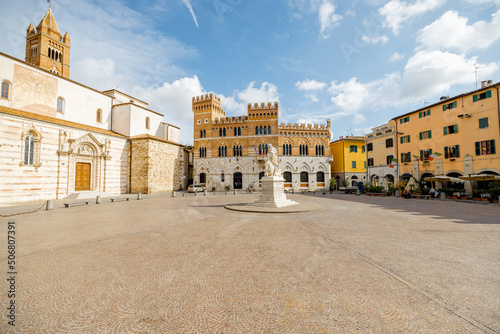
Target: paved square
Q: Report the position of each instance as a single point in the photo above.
(187, 265)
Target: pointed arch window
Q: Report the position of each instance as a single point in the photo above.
(98, 116)
(60, 104)
(5, 90)
(31, 141)
(29, 147)
(147, 123)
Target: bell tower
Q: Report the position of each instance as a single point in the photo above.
(47, 48)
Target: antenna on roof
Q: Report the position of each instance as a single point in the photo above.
(476, 67)
(50, 3)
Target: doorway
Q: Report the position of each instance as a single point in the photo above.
(82, 176)
(238, 181)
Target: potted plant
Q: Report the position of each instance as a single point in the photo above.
(227, 187)
(477, 194)
(494, 190)
(213, 189)
(463, 195)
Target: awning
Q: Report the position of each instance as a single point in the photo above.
(481, 177)
(443, 178)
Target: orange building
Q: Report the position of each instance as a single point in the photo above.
(229, 151)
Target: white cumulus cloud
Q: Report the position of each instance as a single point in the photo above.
(397, 12)
(452, 32)
(328, 19)
(309, 85)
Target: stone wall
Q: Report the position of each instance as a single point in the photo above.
(157, 165)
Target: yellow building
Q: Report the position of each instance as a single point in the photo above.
(454, 137)
(381, 149)
(349, 160)
(229, 151)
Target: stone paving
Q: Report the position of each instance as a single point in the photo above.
(187, 265)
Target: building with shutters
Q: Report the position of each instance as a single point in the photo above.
(462, 132)
(381, 149)
(349, 160)
(230, 151)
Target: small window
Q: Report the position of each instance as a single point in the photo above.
(389, 142)
(354, 149)
(483, 123)
(448, 130)
(147, 123)
(29, 147)
(60, 105)
(320, 177)
(198, 122)
(98, 116)
(482, 96)
(354, 164)
(5, 90)
(363, 149)
(425, 154)
(369, 147)
(405, 139)
(425, 135)
(389, 159)
(206, 121)
(404, 119)
(424, 113)
(287, 176)
(485, 147)
(370, 162)
(452, 152)
(406, 157)
(222, 177)
(449, 106)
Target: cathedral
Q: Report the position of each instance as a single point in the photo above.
(59, 137)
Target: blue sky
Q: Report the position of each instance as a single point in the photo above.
(359, 62)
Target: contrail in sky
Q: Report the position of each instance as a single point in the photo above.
(188, 4)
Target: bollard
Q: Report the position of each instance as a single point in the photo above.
(139, 196)
(98, 199)
(173, 194)
(50, 205)
(293, 191)
(196, 193)
(443, 196)
(358, 192)
(235, 191)
(396, 194)
(205, 192)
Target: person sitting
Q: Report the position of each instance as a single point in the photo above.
(433, 193)
(406, 194)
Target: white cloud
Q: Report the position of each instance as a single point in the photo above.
(375, 39)
(313, 97)
(173, 100)
(480, 2)
(452, 32)
(188, 4)
(266, 93)
(433, 72)
(395, 57)
(328, 19)
(396, 12)
(309, 85)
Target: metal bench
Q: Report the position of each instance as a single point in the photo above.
(67, 205)
(117, 199)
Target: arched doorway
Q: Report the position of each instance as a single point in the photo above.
(354, 181)
(203, 178)
(237, 180)
(82, 176)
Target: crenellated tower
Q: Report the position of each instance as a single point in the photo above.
(46, 47)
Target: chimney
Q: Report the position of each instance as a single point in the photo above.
(483, 84)
(490, 82)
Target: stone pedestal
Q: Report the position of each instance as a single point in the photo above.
(273, 193)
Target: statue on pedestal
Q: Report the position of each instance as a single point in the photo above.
(271, 164)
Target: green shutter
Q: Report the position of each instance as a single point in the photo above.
(492, 147)
(446, 152)
(419, 115)
(421, 155)
(455, 128)
(428, 112)
(454, 104)
(488, 94)
(457, 150)
(401, 140)
(444, 107)
(474, 98)
(430, 134)
(445, 130)
(408, 118)
(430, 151)
(478, 148)
(420, 135)
(401, 121)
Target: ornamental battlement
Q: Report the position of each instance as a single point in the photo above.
(236, 119)
(302, 126)
(263, 106)
(207, 103)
